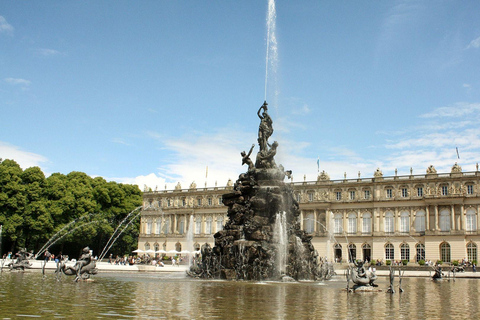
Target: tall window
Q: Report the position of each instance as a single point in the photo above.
(352, 252)
(209, 201)
(389, 252)
(445, 220)
(404, 251)
(198, 225)
(181, 226)
(169, 202)
(297, 197)
(219, 223)
(309, 223)
(445, 252)
(166, 226)
(208, 225)
(471, 251)
(184, 202)
(404, 222)
(471, 220)
(220, 200)
(420, 221)
(420, 252)
(420, 191)
(158, 226)
(404, 192)
(389, 222)
(352, 223)
(470, 189)
(310, 196)
(352, 195)
(338, 195)
(367, 222)
(199, 201)
(444, 190)
(389, 193)
(337, 223)
(149, 227)
(366, 194)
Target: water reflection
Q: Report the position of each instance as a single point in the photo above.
(144, 295)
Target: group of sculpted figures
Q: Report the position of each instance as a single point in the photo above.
(247, 248)
(83, 268)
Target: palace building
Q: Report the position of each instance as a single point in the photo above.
(433, 216)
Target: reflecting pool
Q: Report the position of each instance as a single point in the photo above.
(175, 296)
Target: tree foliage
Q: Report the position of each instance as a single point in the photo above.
(35, 209)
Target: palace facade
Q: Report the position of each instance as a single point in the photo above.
(433, 216)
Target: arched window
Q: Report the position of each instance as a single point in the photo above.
(420, 252)
(389, 222)
(389, 252)
(367, 252)
(471, 220)
(219, 223)
(405, 251)
(352, 222)
(338, 252)
(147, 246)
(166, 226)
(181, 226)
(420, 221)
(352, 252)
(164, 246)
(445, 220)
(198, 225)
(367, 222)
(471, 251)
(178, 246)
(404, 221)
(337, 223)
(208, 225)
(445, 252)
(309, 223)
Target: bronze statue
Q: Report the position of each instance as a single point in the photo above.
(265, 130)
(246, 158)
(84, 267)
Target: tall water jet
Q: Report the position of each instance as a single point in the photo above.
(190, 239)
(271, 59)
(280, 238)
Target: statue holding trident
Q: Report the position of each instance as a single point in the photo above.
(265, 130)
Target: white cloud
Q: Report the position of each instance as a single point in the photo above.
(474, 43)
(5, 27)
(48, 52)
(18, 81)
(120, 141)
(458, 110)
(24, 158)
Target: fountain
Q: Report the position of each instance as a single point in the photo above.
(262, 238)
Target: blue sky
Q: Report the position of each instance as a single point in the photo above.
(153, 92)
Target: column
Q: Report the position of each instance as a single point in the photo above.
(452, 214)
(345, 223)
(359, 223)
(396, 221)
(427, 218)
(376, 221)
(436, 217)
(462, 218)
(301, 220)
(315, 221)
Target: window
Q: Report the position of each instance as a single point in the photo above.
(309, 223)
(444, 220)
(184, 202)
(220, 200)
(470, 189)
(352, 223)
(147, 246)
(181, 226)
(297, 196)
(389, 222)
(404, 222)
(167, 226)
(389, 252)
(198, 225)
(445, 252)
(366, 194)
(208, 225)
(337, 223)
(352, 195)
(420, 252)
(404, 251)
(444, 190)
(209, 201)
(339, 195)
(389, 193)
(352, 252)
(199, 201)
(169, 202)
(420, 191)
(310, 196)
(149, 227)
(158, 227)
(420, 221)
(219, 223)
(471, 220)
(367, 222)
(471, 251)
(404, 192)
